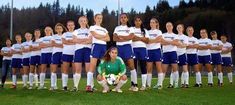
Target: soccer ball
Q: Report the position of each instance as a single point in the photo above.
(111, 79)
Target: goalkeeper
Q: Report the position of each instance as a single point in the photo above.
(112, 64)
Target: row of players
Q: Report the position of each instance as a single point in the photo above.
(134, 44)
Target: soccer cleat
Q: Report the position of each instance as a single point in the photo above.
(220, 85)
(197, 85)
(170, 86)
(74, 89)
(41, 87)
(210, 84)
(65, 88)
(13, 87)
(105, 90)
(186, 86)
(159, 87)
(89, 89)
(135, 89)
(30, 87)
(143, 88)
(182, 85)
(117, 90)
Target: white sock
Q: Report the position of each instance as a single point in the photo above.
(183, 78)
(36, 79)
(220, 77)
(103, 83)
(89, 78)
(176, 78)
(149, 80)
(25, 78)
(171, 78)
(120, 84)
(76, 79)
(198, 78)
(230, 77)
(14, 79)
(160, 79)
(210, 77)
(31, 76)
(186, 78)
(144, 79)
(134, 76)
(53, 79)
(64, 79)
(42, 79)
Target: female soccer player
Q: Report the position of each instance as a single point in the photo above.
(46, 54)
(26, 56)
(169, 47)
(83, 40)
(16, 63)
(123, 37)
(56, 53)
(112, 64)
(99, 38)
(192, 58)
(154, 53)
(204, 54)
(227, 58)
(68, 53)
(181, 53)
(139, 47)
(216, 49)
(34, 59)
(6, 61)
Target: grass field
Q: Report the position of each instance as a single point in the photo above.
(192, 96)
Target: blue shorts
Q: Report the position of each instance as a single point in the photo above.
(216, 59)
(204, 59)
(192, 59)
(46, 58)
(170, 58)
(16, 63)
(67, 58)
(154, 55)
(98, 51)
(56, 58)
(227, 61)
(125, 51)
(35, 60)
(182, 60)
(140, 53)
(82, 55)
(25, 62)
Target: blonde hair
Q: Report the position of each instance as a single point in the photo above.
(158, 25)
(49, 28)
(79, 19)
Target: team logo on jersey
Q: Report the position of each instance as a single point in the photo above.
(192, 42)
(101, 30)
(126, 31)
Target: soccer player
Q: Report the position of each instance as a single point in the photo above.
(99, 38)
(169, 47)
(204, 54)
(16, 63)
(83, 40)
(34, 59)
(216, 49)
(123, 39)
(68, 53)
(226, 57)
(192, 57)
(112, 64)
(139, 47)
(46, 54)
(154, 53)
(6, 61)
(56, 53)
(26, 55)
(182, 58)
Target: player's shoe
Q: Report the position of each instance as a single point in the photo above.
(117, 90)
(143, 88)
(89, 89)
(13, 87)
(170, 86)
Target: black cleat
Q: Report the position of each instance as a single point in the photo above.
(65, 88)
(210, 84)
(186, 86)
(170, 86)
(197, 85)
(182, 85)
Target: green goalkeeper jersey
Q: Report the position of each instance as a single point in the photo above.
(116, 67)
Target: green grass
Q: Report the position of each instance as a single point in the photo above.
(192, 96)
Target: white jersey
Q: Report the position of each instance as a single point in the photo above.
(153, 34)
(82, 34)
(204, 42)
(46, 40)
(68, 49)
(216, 43)
(6, 50)
(17, 47)
(226, 46)
(99, 30)
(169, 37)
(137, 32)
(122, 31)
(183, 39)
(36, 44)
(26, 45)
(58, 40)
(192, 41)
